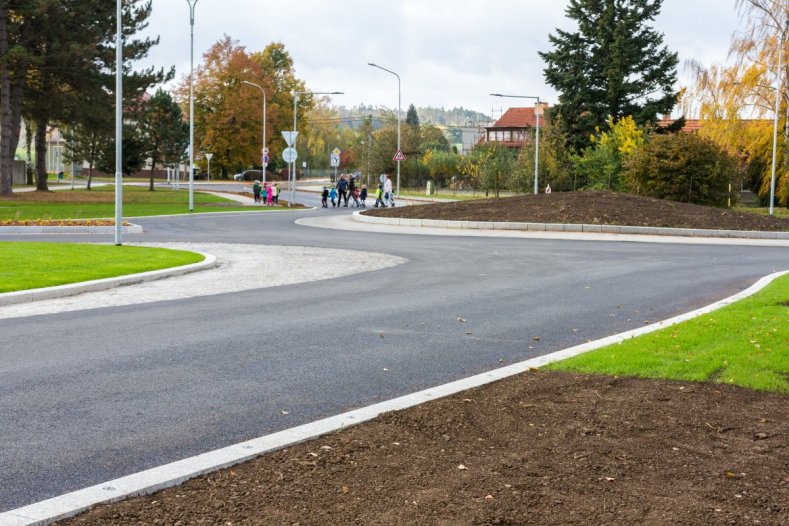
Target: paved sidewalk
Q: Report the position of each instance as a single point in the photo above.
(347, 222)
(239, 267)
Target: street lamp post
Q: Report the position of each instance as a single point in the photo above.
(118, 125)
(775, 117)
(263, 149)
(192, 4)
(398, 119)
(536, 133)
(208, 156)
(292, 168)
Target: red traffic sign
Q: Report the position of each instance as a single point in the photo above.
(399, 156)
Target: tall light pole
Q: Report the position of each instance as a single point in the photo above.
(118, 125)
(292, 169)
(192, 4)
(398, 119)
(263, 149)
(536, 135)
(778, 87)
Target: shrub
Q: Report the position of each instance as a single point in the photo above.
(683, 167)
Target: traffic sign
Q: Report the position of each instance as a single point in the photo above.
(266, 159)
(336, 151)
(289, 155)
(290, 137)
(399, 156)
(335, 160)
(265, 151)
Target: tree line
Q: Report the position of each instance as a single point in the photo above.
(57, 65)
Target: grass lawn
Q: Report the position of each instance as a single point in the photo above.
(26, 266)
(746, 343)
(777, 211)
(100, 203)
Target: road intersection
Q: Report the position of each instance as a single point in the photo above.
(92, 394)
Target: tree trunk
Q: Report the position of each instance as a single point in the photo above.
(90, 173)
(41, 157)
(6, 160)
(150, 182)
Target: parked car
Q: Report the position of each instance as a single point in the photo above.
(248, 175)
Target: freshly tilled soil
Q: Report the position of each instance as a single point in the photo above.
(542, 448)
(590, 208)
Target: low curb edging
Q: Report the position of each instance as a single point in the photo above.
(564, 227)
(131, 229)
(62, 291)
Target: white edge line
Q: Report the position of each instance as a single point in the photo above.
(169, 475)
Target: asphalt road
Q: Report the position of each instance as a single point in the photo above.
(92, 395)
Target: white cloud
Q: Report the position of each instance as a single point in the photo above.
(448, 53)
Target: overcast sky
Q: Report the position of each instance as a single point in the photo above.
(448, 53)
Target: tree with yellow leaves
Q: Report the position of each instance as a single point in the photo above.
(736, 102)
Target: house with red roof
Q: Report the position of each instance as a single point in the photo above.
(514, 127)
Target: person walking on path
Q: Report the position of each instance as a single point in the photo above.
(325, 197)
(333, 196)
(269, 195)
(355, 196)
(379, 197)
(276, 193)
(342, 190)
(256, 191)
(363, 195)
(351, 185)
(388, 196)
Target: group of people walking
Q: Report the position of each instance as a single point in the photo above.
(346, 190)
(267, 191)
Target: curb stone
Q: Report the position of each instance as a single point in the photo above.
(567, 227)
(169, 475)
(131, 229)
(61, 291)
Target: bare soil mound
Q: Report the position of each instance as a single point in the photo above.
(590, 208)
(539, 448)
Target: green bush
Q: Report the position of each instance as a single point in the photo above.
(683, 167)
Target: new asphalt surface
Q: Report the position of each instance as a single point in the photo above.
(91, 395)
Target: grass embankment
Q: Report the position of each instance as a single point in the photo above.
(100, 203)
(746, 343)
(777, 211)
(25, 266)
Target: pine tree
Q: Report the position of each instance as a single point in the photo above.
(412, 117)
(614, 65)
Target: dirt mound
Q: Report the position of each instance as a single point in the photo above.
(591, 208)
(538, 448)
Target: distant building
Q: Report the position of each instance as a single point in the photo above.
(691, 125)
(463, 138)
(514, 127)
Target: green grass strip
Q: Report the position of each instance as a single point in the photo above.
(745, 343)
(137, 202)
(26, 266)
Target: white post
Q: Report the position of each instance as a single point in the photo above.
(537, 145)
(192, 4)
(398, 133)
(778, 87)
(119, 125)
(208, 156)
(292, 174)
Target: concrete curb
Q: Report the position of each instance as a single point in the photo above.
(131, 229)
(48, 293)
(561, 227)
(169, 475)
